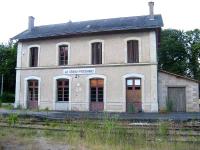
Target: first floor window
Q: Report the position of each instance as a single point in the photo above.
(33, 57)
(63, 55)
(96, 90)
(132, 51)
(33, 90)
(96, 53)
(62, 90)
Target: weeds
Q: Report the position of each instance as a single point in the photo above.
(12, 119)
(163, 129)
(108, 133)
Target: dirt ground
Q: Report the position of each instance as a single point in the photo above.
(37, 144)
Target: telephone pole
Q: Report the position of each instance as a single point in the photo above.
(1, 84)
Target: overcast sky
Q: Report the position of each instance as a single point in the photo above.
(178, 14)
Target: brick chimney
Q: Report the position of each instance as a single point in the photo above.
(151, 10)
(30, 23)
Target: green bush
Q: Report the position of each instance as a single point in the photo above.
(12, 119)
(7, 97)
(164, 128)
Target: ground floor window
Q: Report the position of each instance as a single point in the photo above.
(62, 90)
(96, 90)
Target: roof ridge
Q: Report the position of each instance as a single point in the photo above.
(94, 20)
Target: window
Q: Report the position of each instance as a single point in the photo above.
(96, 90)
(132, 51)
(96, 53)
(33, 57)
(63, 55)
(62, 90)
(33, 90)
(133, 83)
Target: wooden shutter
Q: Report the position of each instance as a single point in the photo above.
(132, 51)
(97, 53)
(34, 57)
(63, 55)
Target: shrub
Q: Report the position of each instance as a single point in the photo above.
(163, 128)
(7, 97)
(12, 119)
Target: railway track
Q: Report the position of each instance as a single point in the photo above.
(78, 126)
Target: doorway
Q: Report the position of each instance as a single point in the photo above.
(96, 95)
(32, 94)
(133, 95)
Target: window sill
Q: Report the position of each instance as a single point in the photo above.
(62, 101)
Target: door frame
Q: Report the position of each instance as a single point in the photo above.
(140, 100)
(26, 89)
(88, 89)
(133, 75)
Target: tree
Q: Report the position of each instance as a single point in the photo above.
(192, 45)
(8, 64)
(172, 55)
(179, 52)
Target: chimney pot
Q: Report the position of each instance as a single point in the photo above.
(30, 23)
(151, 10)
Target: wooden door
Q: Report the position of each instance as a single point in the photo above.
(32, 94)
(133, 95)
(96, 95)
(178, 97)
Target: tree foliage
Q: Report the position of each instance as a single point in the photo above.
(7, 65)
(179, 52)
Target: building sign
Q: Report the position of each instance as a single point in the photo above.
(79, 71)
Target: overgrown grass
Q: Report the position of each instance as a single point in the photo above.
(106, 134)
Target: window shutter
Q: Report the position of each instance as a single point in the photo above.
(97, 53)
(132, 51)
(33, 57)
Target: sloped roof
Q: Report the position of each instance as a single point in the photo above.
(179, 76)
(92, 26)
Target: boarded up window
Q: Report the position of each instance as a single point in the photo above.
(132, 51)
(63, 55)
(63, 90)
(96, 90)
(33, 57)
(97, 53)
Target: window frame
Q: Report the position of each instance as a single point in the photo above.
(134, 51)
(58, 53)
(62, 86)
(90, 53)
(55, 91)
(139, 49)
(29, 55)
